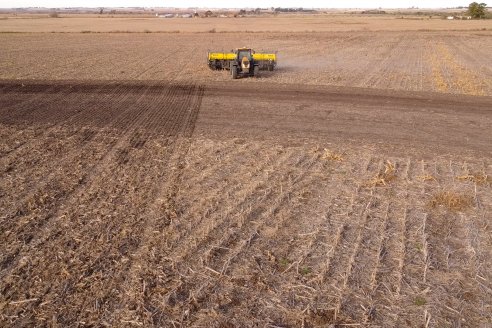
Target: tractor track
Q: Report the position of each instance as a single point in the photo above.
(175, 110)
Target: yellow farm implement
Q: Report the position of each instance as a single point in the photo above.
(242, 62)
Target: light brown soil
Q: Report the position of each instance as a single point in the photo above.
(282, 23)
(138, 188)
(448, 62)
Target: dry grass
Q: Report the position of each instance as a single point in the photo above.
(331, 155)
(449, 73)
(384, 177)
(477, 178)
(451, 200)
(426, 178)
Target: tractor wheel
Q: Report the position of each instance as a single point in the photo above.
(256, 71)
(234, 72)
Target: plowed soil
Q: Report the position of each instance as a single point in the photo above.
(138, 191)
(451, 62)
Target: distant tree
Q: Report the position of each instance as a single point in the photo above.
(477, 10)
(101, 10)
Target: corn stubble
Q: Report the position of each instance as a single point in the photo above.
(237, 232)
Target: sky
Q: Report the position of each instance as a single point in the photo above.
(235, 4)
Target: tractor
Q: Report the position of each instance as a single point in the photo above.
(242, 62)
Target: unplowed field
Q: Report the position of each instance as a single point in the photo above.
(352, 187)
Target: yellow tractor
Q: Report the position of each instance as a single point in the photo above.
(242, 62)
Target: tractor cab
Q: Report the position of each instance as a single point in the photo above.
(244, 52)
(245, 64)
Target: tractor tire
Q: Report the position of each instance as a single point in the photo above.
(256, 71)
(234, 72)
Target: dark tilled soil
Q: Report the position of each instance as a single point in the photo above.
(403, 119)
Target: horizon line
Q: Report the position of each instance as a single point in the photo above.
(196, 7)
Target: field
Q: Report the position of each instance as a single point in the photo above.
(282, 23)
(450, 62)
(351, 187)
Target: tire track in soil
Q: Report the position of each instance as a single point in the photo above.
(41, 184)
(64, 195)
(14, 172)
(36, 210)
(340, 262)
(48, 217)
(88, 251)
(86, 178)
(188, 128)
(119, 143)
(158, 121)
(48, 96)
(89, 108)
(344, 300)
(14, 119)
(69, 150)
(11, 137)
(51, 105)
(180, 232)
(314, 302)
(226, 154)
(10, 101)
(158, 215)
